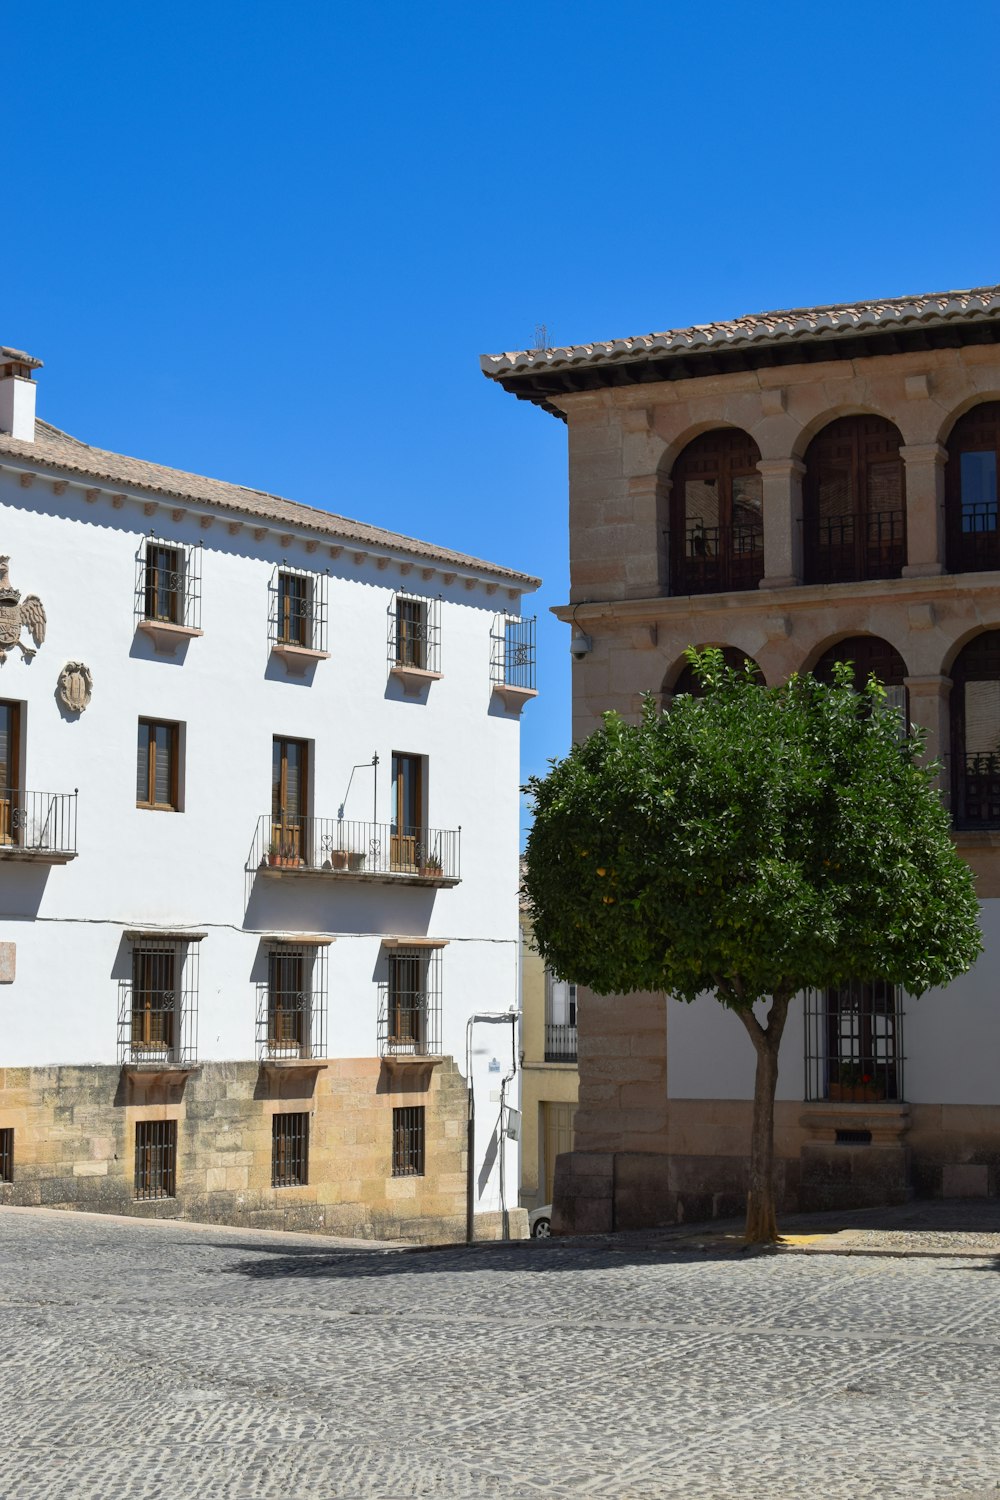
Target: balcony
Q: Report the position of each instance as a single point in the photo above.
(38, 826)
(855, 547)
(338, 849)
(974, 538)
(512, 661)
(560, 1043)
(717, 559)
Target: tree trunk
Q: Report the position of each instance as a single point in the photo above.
(761, 1225)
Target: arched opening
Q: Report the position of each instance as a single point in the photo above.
(854, 502)
(716, 515)
(971, 533)
(870, 656)
(687, 682)
(975, 733)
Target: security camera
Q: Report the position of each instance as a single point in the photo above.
(580, 645)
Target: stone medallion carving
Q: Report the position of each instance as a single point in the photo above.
(17, 614)
(76, 686)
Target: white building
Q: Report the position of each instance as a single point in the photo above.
(258, 850)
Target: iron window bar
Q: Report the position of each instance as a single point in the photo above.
(854, 1043)
(854, 546)
(409, 1135)
(333, 846)
(7, 1154)
(414, 633)
(718, 558)
(155, 1159)
(977, 790)
(158, 1004)
(168, 583)
(290, 1150)
(512, 651)
(297, 610)
(38, 822)
(409, 1016)
(292, 1002)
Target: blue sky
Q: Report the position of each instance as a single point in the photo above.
(270, 242)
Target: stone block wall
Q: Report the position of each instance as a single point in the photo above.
(74, 1145)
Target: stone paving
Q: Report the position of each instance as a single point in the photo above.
(169, 1360)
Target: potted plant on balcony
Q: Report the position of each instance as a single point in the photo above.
(274, 852)
(431, 866)
(856, 1084)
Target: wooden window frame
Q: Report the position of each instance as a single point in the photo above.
(858, 559)
(159, 555)
(10, 776)
(287, 1026)
(407, 840)
(976, 431)
(290, 829)
(294, 627)
(174, 732)
(155, 1027)
(722, 455)
(985, 781)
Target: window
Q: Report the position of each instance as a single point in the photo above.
(871, 656)
(155, 1159)
(158, 1002)
(854, 1034)
(408, 1136)
(7, 1155)
(157, 764)
(168, 585)
(10, 798)
(289, 1150)
(512, 660)
(291, 1001)
(560, 1020)
(854, 502)
(297, 612)
(716, 515)
(414, 634)
(975, 733)
(973, 537)
(407, 834)
(410, 1009)
(289, 804)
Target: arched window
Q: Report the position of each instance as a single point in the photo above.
(687, 682)
(870, 655)
(716, 521)
(975, 733)
(854, 502)
(973, 540)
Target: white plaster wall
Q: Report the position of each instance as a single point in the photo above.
(139, 868)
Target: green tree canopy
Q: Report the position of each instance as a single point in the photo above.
(753, 842)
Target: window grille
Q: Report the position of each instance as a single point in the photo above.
(512, 656)
(297, 608)
(408, 1139)
(155, 1159)
(854, 1042)
(560, 1020)
(415, 633)
(410, 1004)
(158, 1004)
(291, 1002)
(168, 583)
(289, 1150)
(7, 1155)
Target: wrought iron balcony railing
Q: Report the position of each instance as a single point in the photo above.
(976, 790)
(974, 538)
(362, 851)
(855, 546)
(38, 825)
(716, 559)
(560, 1043)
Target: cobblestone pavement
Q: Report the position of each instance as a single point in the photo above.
(175, 1361)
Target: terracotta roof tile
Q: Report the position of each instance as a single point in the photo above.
(55, 449)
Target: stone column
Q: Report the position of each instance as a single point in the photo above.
(924, 509)
(646, 567)
(929, 708)
(782, 521)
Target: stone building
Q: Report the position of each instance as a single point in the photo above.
(258, 849)
(794, 487)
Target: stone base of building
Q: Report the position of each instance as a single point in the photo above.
(827, 1157)
(74, 1145)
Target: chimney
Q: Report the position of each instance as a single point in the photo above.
(17, 393)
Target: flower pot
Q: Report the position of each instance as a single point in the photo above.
(355, 861)
(338, 859)
(274, 859)
(855, 1093)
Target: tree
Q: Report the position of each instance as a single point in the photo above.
(752, 842)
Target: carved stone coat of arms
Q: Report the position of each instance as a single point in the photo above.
(76, 686)
(17, 614)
